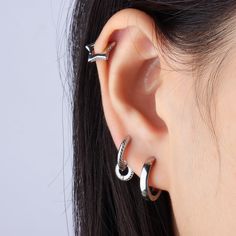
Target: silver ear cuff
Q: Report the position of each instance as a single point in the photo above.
(149, 193)
(92, 57)
(121, 165)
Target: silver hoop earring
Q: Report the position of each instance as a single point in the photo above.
(121, 165)
(148, 193)
(92, 57)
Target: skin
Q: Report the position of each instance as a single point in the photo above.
(145, 96)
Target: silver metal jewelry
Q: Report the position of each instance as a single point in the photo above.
(122, 165)
(92, 57)
(149, 193)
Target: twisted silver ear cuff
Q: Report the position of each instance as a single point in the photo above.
(122, 170)
(92, 57)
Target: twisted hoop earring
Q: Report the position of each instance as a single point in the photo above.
(149, 193)
(121, 165)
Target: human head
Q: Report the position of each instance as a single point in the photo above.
(169, 83)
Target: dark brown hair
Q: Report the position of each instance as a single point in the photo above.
(104, 205)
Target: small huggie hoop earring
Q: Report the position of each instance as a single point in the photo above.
(92, 57)
(148, 193)
(121, 163)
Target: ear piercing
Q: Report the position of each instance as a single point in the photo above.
(92, 57)
(149, 193)
(121, 165)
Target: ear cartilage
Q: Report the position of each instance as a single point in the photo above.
(92, 57)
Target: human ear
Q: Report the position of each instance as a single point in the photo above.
(129, 83)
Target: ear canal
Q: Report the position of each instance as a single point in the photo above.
(150, 75)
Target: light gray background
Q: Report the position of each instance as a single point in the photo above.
(35, 169)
